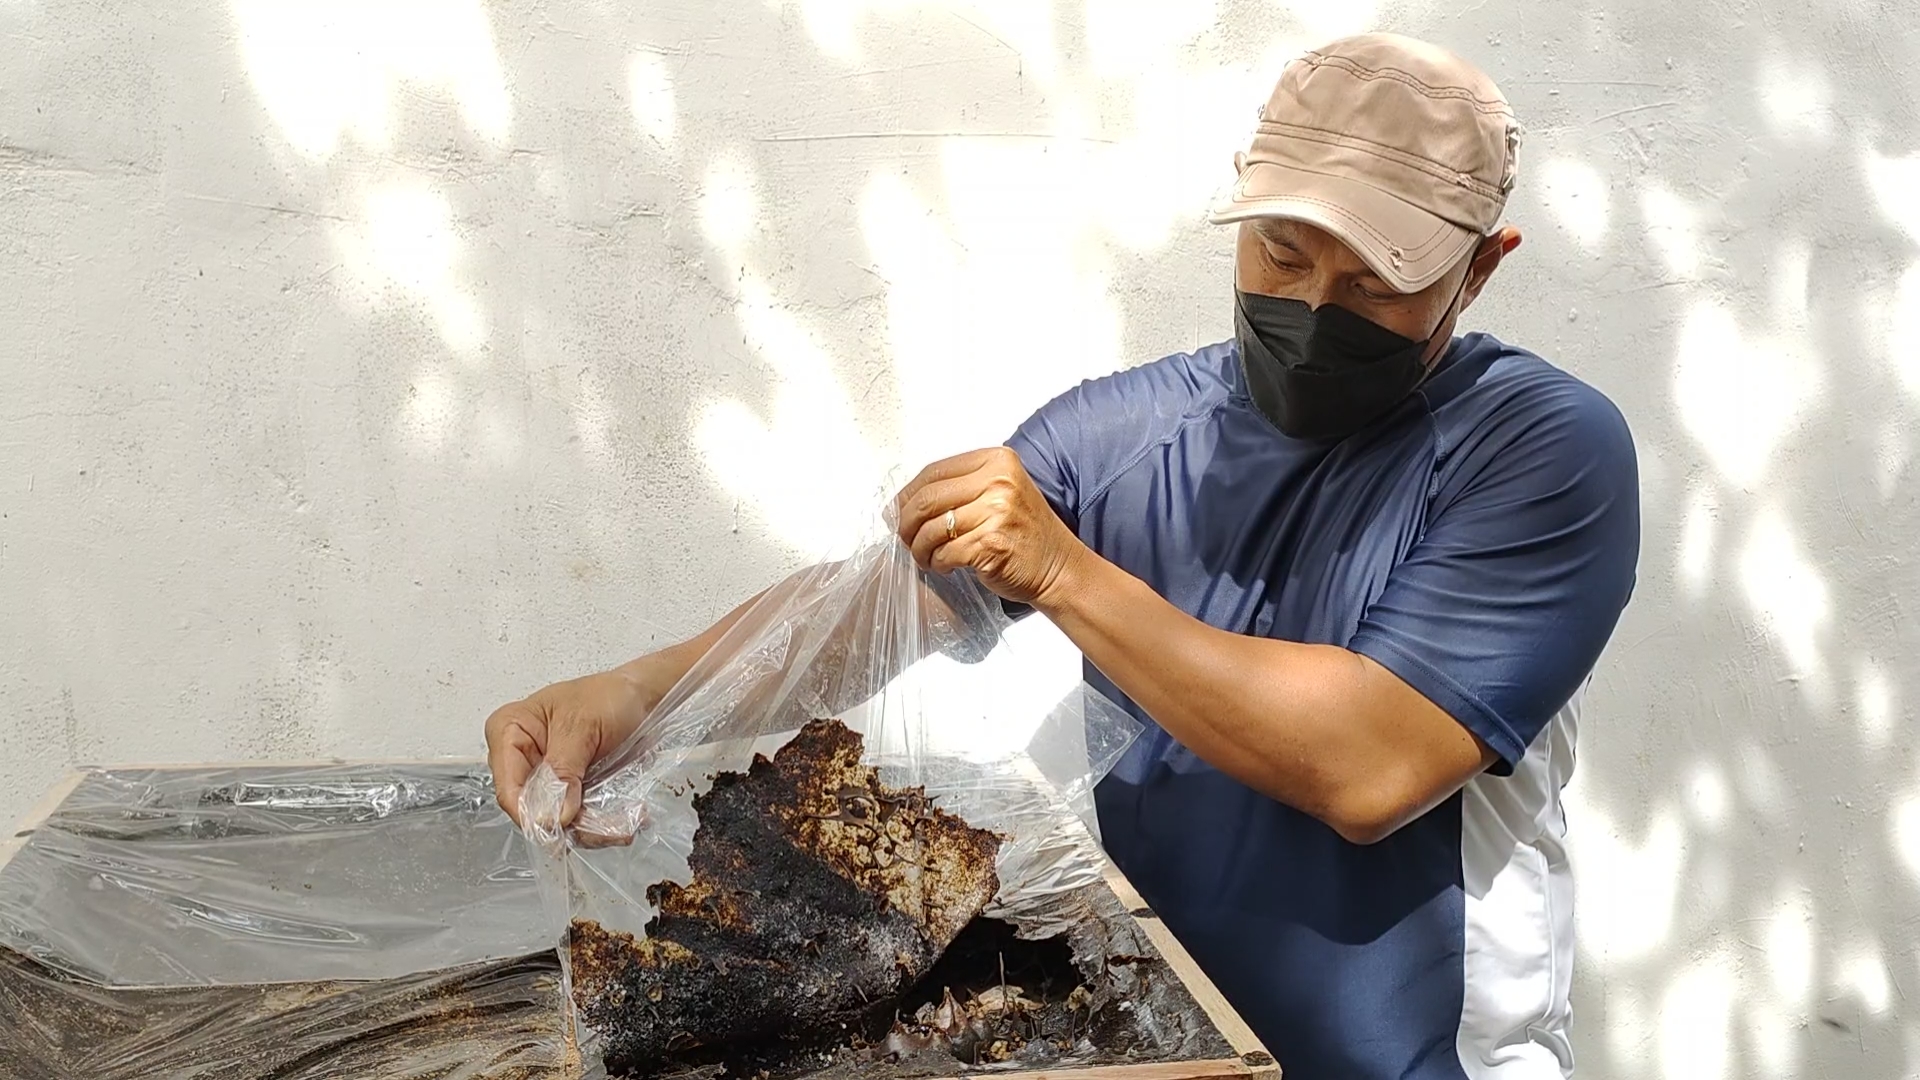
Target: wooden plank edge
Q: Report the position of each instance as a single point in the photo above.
(1226, 1019)
(12, 843)
(1224, 1016)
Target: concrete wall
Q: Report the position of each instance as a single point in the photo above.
(365, 364)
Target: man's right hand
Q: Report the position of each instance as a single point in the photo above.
(569, 725)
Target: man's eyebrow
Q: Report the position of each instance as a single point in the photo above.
(1270, 231)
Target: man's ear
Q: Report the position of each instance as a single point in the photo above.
(1486, 259)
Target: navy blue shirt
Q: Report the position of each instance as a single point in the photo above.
(1480, 543)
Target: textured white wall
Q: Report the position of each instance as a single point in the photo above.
(365, 364)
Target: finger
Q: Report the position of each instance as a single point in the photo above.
(957, 465)
(954, 555)
(933, 535)
(591, 830)
(512, 765)
(982, 549)
(931, 503)
(570, 749)
(946, 469)
(512, 754)
(595, 839)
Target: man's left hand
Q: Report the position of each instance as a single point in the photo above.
(982, 512)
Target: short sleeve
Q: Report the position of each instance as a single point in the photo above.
(1502, 607)
(1047, 444)
(1079, 442)
(1084, 438)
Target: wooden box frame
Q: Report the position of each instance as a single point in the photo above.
(1251, 1060)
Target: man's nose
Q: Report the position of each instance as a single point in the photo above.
(1317, 291)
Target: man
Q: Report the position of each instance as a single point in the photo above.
(1352, 571)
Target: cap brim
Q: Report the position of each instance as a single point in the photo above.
(1408, 247)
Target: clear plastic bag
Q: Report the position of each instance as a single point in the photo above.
(921, 667)
(313, 922)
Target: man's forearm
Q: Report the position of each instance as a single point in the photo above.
(1308, 725)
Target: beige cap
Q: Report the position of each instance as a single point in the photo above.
(1401, 149)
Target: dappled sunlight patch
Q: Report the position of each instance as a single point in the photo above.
(1024, 27)
(729, 204)
(1707, 797)
(1629, 1027)
(405, 246)
(1905, 822)
(1796, 99)
(1786, 593)
(325, 69)
(1699, 524)
(1873, 703)
(1127, 38)
(805, 468)
(1673, 228)
(1788, 940)
(832, 24)
(1773, 1035)
(1696, 1020)
(1322, 21)
(1893, 181)
(1177, 155)
(1862, 974)
(1741, 396)
(1013, 245)
(1628, 888)
(922, 265)
(1576, 195)
(650, 96)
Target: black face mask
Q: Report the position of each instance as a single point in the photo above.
(1323, 374)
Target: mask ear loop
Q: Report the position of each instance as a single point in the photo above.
(1428, 362)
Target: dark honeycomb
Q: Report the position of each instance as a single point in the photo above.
(817, 893)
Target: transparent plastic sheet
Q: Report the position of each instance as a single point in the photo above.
(314, 922)
(919, 665)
